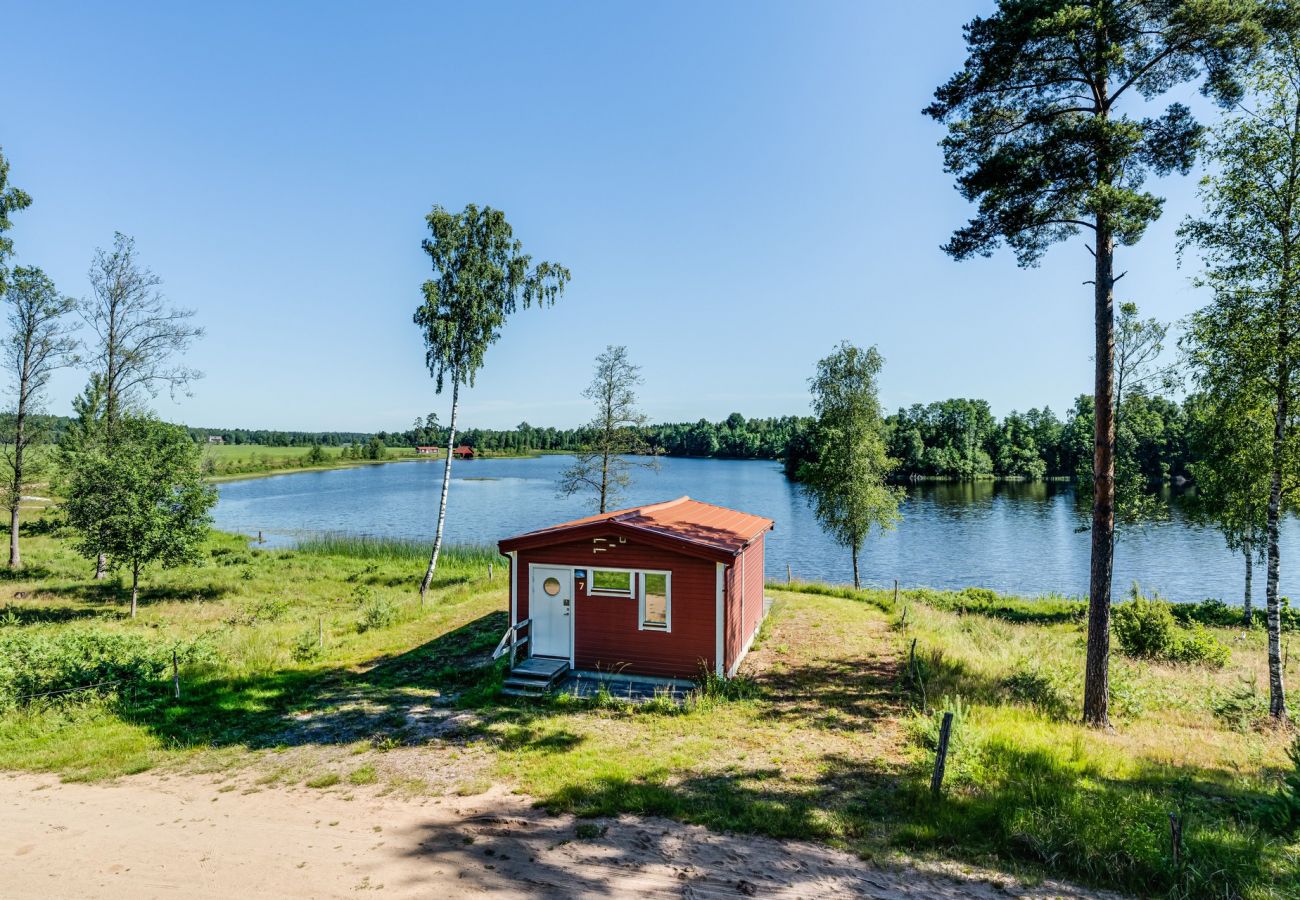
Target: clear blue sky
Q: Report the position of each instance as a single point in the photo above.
(735, 186)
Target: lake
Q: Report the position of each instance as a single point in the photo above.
(1015, 537)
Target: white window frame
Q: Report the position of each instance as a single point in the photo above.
(668, 601)
(593, 591)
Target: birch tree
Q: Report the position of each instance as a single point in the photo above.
(1245, 345)
(40, 341)
(481, 276)
(602, 466)
(138, 340)
(144, 501)
(1039, 139)
(846, 481)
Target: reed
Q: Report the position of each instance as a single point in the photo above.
(394, 549)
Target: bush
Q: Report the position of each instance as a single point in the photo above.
(376, 612)
(306, 646)
(1147, 628)
(1285, 808)
(1239, 707)
(40, 661)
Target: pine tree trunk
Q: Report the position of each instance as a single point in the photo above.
(1247, 613)
(446, 485)
(135, 587)
(1276, 689)
(1096, 684)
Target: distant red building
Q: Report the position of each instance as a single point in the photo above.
(666, 590)
(464, 451)
(426, 450)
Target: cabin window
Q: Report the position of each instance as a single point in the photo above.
(656, 601)
(610, 583)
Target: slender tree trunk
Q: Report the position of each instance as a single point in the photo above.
(135, 587)
(857, 584)
(1247, 613)
(604, 478)
(15, 556)
(446, 485)
(16, 484)
(1276, 689)
(1096, 684)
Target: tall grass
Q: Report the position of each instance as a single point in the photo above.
(394, 549)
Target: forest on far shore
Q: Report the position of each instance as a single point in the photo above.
(957, 439)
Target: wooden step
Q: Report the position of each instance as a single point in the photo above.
(534, 677)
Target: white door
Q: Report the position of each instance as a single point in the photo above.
(550, 606)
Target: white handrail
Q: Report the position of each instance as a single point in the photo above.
(510, 641)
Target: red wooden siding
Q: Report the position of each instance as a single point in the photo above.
(744, 603)
(607, 636)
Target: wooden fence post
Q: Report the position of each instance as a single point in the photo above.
(789, 574)
(489, 571)
(176, 677)
(911, 660)
(941, 757)
(896, 592)
(1176, 838)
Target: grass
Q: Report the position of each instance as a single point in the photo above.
(829, 736)
(389, 549)
(223, 462)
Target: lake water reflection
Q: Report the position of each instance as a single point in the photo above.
(1017, 537)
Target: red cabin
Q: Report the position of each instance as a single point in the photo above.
(667, 590)
(464, 451)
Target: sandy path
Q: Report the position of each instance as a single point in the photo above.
(164, 837)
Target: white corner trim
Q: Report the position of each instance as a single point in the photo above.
(514, 587)
(719, 647)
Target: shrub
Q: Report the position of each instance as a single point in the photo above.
(1285, 808)
(306, 646)
(1147, 628)
(376, 612)
(1239, 707)
(1043, 690)
(41, 661)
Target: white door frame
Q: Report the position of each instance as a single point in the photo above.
(573, 606)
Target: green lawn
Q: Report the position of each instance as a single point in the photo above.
(827, 737)
(222, 461)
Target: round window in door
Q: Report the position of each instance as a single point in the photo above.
(551, 586)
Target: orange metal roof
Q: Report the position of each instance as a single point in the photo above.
(691, 521)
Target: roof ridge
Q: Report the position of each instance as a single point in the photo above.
(652, 507)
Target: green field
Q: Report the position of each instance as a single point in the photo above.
(240, 460)
(318, 667)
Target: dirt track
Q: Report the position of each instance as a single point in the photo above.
(148, 836)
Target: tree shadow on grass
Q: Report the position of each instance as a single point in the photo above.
(113, 592)
(24, 614)
(1030, 809)
(403, 699)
